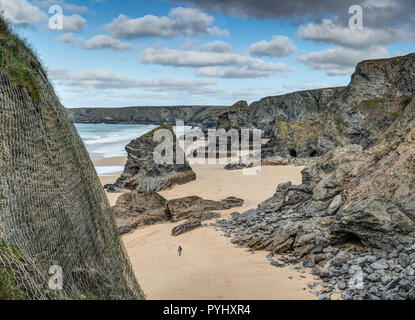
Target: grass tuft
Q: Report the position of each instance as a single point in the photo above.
(19, 62)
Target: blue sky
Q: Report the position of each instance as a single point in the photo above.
(138, 53)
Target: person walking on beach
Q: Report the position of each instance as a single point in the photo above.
(180, 251)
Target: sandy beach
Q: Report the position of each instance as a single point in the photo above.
(211, 267)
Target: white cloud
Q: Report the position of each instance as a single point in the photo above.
(105, 79)
(99, 88)
(180, 21)
(279, 46)
(216, 46)
(340, 60)
(180, 58)
(21, 12)
(69, 38)
(208, 63)
(103, 41)
(215, 31)
(68, 7)
(246, 72)
(73, 23)
(331, 32)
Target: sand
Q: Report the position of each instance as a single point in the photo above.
(211, 267)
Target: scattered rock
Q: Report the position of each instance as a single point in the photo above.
(186, 227)
(110, 188)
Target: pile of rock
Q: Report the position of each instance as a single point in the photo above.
(274, 161)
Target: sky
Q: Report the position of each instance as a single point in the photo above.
(108, 53)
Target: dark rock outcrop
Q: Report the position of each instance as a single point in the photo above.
(53, 210)
(133, 210)
(186, 227)
(267, 112)
(195, 207)
(143, 174)
(236, 117)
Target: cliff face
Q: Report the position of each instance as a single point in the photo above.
(349, 194)
(353, 214)
(191, 115)
(267, 112)
(308, 124)
(53, 210)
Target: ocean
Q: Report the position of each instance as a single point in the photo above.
(109, 140)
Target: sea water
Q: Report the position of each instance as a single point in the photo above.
(109, 140)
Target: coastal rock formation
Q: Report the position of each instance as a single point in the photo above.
(349, 195)
(302, 124)
(134, 210)
(138, 209)
(54, 214)
(143, 115)
(311, 123)
(143, 174)
(267, 112)
(186, 227)
(195, 207)
(235, 117)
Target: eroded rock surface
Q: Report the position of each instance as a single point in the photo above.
(143, 174)
(311, 123)
(186, 227)
(350, 195)
(133, 210)
(194, 206)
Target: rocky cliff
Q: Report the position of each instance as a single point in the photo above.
(310, 123)
(54, 214)
(350, 195)
(191, 115)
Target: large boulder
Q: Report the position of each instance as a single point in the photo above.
(54, 214)
(195, 207)
(139, 209)
(143, 174)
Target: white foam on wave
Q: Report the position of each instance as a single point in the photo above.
(109, 140)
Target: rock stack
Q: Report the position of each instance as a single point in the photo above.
(143, 174)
